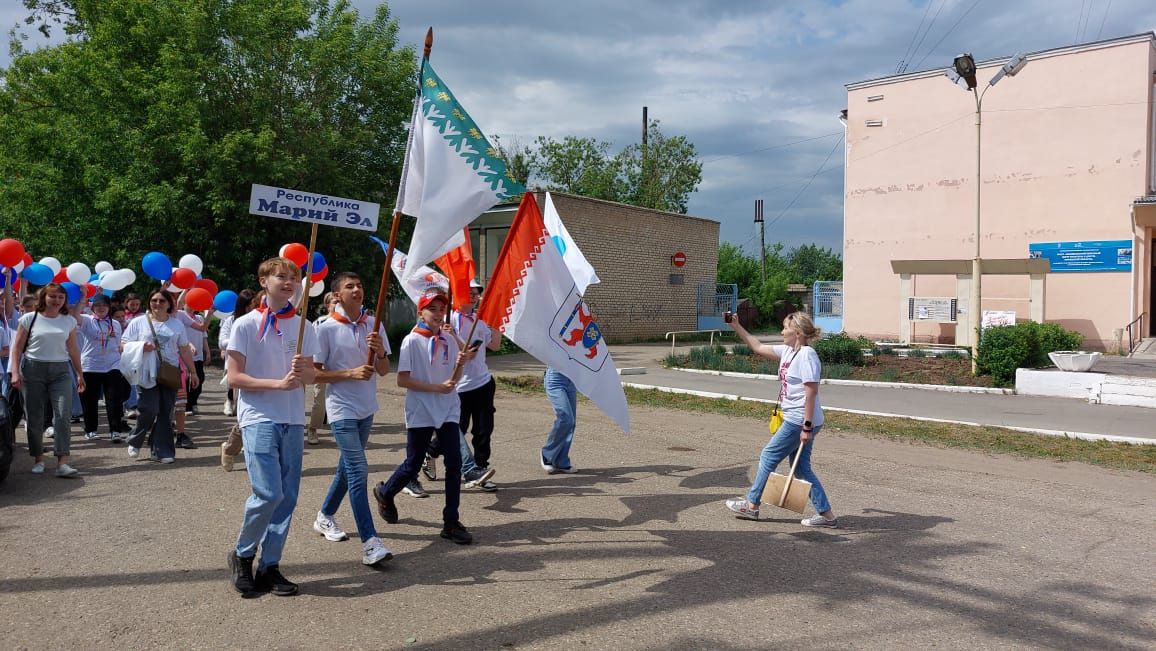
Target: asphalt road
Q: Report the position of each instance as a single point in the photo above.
(936, 548)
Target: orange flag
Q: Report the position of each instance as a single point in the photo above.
(458, 266)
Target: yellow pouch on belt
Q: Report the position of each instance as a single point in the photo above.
(776, 420)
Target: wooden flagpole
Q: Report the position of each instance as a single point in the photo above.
(383, 288)
(303, 311)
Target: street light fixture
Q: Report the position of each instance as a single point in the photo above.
(963, 70)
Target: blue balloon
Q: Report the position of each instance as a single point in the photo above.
(318, 262)
(75, 293)
(225, 301)
(38, 274)
(157, 265)
(93, 278)
(7, 277)
(109, 293)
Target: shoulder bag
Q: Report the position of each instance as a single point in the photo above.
(168, 376)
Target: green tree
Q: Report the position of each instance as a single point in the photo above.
(662, 175)
(804, 264)
(146, 128)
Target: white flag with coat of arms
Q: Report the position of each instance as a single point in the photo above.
(533, 300)
(580, 269)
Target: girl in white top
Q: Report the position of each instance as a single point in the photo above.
(799, 371)
(157, 329)
(100, 359)
(44, 346)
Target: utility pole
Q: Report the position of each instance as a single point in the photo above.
(762, 235)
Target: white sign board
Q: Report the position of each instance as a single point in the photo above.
(998, 318)
(322, 209)
(942, 310)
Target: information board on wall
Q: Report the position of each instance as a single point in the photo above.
(1092, 255)
(941, 310)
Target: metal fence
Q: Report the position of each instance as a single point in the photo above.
(712, 300)
(827, 305)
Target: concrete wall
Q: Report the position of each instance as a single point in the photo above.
(1067, 147)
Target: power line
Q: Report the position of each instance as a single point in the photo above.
(1104, 19)
(926, 32)
(948, 33)
(807, 184)
(907, 52)
(755, 151)
(1080, 19)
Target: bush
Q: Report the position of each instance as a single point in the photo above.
(741, 350)
(1003, 349)
(837, 371)
(841, 349)
(917, 352)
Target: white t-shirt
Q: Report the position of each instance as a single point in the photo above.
(48, 339)
(475, 373)
(170, 333)
(223, 333)
(795, 368)
(99, 344)
(423, 408)
(270, 358)
(196, 337)
(342, 346)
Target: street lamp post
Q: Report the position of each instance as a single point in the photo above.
(962, 73)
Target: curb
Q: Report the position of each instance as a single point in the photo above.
(860, 383)
(1085, 436)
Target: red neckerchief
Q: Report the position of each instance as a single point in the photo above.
(434, 338)
(270, 319)
(337, 316)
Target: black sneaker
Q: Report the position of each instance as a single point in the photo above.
(414, 489)
(242, 570)
(457, 533)
(185, 441)
(385, 506)
(429, 468)
(270, 580)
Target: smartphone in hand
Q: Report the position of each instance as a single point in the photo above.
(728, 316)
(476, 344)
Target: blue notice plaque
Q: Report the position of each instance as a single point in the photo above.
(1109, 255)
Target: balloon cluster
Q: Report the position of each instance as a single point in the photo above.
(77, 279)
(298, 254)
(200, 293)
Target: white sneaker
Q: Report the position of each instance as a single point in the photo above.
(373, 551)
(38, 468)
(229, 409)
(91, 436)
(133, 452)
(819, 521)
(49, 432)
(65, 470)
(311, 437)
(116, 437)
(167, 460)
(327, 527)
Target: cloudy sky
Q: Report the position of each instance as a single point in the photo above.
(755, 85)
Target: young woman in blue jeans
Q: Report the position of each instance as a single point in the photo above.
(799, 371)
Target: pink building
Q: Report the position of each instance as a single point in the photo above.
(1068, 174)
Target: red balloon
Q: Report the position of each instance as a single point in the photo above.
(199, 299)
(183, 278)
(295, 252)
(27, 259)
(207, 285)
(90, 290)
(320, 275)
(16, 285)
(61, 277)
(12, 252)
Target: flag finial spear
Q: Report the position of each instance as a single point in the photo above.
(428, 43)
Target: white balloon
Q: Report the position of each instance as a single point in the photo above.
(100, 276)
(190, 261)
(114, 280)
(102, 267)
(316, 289)
(79, 273)
(19, 266)
(51, 263)
(129, 276)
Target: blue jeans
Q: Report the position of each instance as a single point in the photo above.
(781, 446)
(564, 398)
(273, 454)
(416, 444)
(351, 436)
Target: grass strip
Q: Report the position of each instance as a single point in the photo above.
(1107, 454)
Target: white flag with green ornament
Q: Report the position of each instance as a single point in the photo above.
(451, 174)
